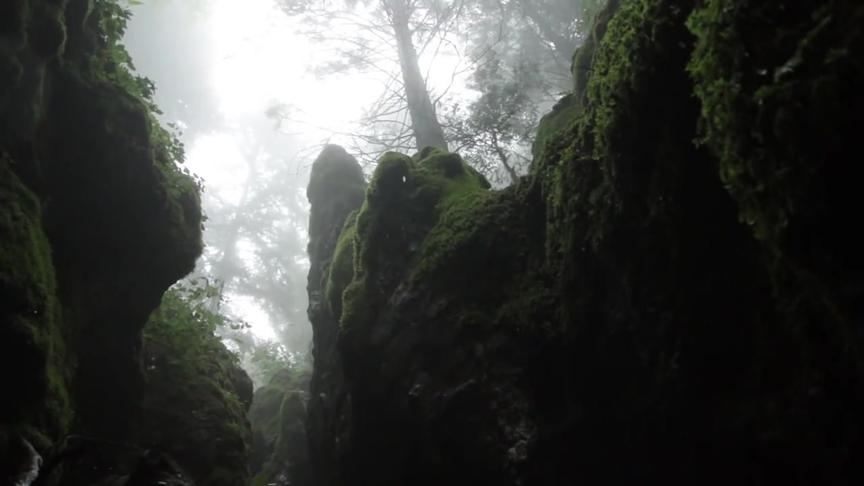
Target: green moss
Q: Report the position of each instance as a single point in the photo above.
(415, 212)
(781, 110)
(391, 172)
(768, 111)
(35, 364)
(356, 304)
(619, 60)
(461, 192)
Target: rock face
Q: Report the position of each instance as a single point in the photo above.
(673, 295)
(336, 189)
(96, 221)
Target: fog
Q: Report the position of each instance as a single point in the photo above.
(255, 89)
(219, 66)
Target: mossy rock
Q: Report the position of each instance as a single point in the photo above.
(411, 214)
(781, 110)
(35, 365)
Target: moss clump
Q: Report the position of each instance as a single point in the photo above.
(462, 191)
(34, 365)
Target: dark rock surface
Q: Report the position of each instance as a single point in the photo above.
(97, 220)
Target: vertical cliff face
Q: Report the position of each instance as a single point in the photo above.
(673, 294)
(96, 222)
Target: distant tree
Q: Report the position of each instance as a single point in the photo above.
(256, 243)
(520, 52)
(493, 131)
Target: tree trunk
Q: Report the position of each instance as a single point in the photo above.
(424, 122)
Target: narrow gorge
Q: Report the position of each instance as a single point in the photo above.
(673, 293)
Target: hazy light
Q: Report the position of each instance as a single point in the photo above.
(251, 312)
(256, 57)
(217, 159)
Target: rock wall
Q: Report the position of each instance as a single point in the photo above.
(96, 221)
(673, 295)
